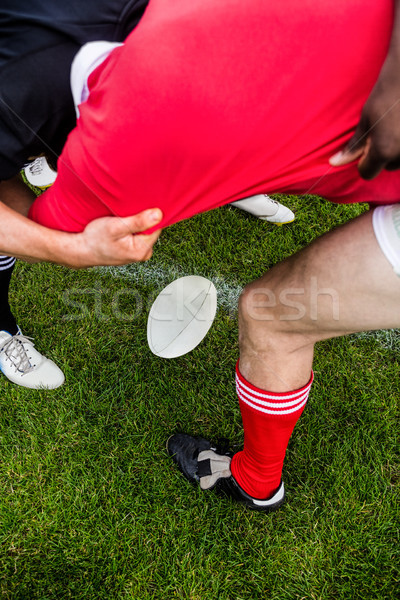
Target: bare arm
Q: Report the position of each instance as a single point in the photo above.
(376, 142)
(106, 241)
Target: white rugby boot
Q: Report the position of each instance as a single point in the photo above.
(25, 366)
(40, 174)
(265, 208)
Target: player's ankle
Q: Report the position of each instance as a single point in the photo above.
(256, 487)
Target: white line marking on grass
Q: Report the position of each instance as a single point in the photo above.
(387, 338)
(158, 276)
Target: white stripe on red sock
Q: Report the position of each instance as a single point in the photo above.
(272, 403)
(268, 420)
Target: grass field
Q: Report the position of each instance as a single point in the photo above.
(91, 507)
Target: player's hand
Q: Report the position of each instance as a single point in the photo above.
(110, 240)
(376, 141)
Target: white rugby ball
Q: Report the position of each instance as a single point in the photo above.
(181, 316)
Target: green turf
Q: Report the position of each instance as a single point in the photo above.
(91, 507)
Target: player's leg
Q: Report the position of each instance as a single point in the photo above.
(341, 283)
(20, 362)
(7, 319)
(17, 195)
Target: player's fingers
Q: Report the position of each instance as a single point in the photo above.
(353, 149)
(393, 165)
(144, 243)
(371, 164)
(142, 221)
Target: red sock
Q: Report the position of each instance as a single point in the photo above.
(268, 421)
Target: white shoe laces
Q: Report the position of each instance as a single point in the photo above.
(274, 203)
(36, 168)
(16, 353)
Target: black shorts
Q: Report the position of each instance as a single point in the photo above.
(38, 40)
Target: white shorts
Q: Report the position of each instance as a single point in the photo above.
(386, 223)
(90, 56)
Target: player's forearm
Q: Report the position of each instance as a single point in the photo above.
(106, 241)
(24, 239)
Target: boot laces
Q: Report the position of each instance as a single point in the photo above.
(17, 354)
(36, 168)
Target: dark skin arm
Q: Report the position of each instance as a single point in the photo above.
(376, 141)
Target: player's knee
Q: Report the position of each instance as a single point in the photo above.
(258, 306)
(260, 330)
(272, 309)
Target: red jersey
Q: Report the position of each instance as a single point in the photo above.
(209, 102)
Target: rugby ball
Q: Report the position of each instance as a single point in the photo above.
(181, 316)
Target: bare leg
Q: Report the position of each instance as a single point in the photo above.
(17, 195)
(341, 283)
